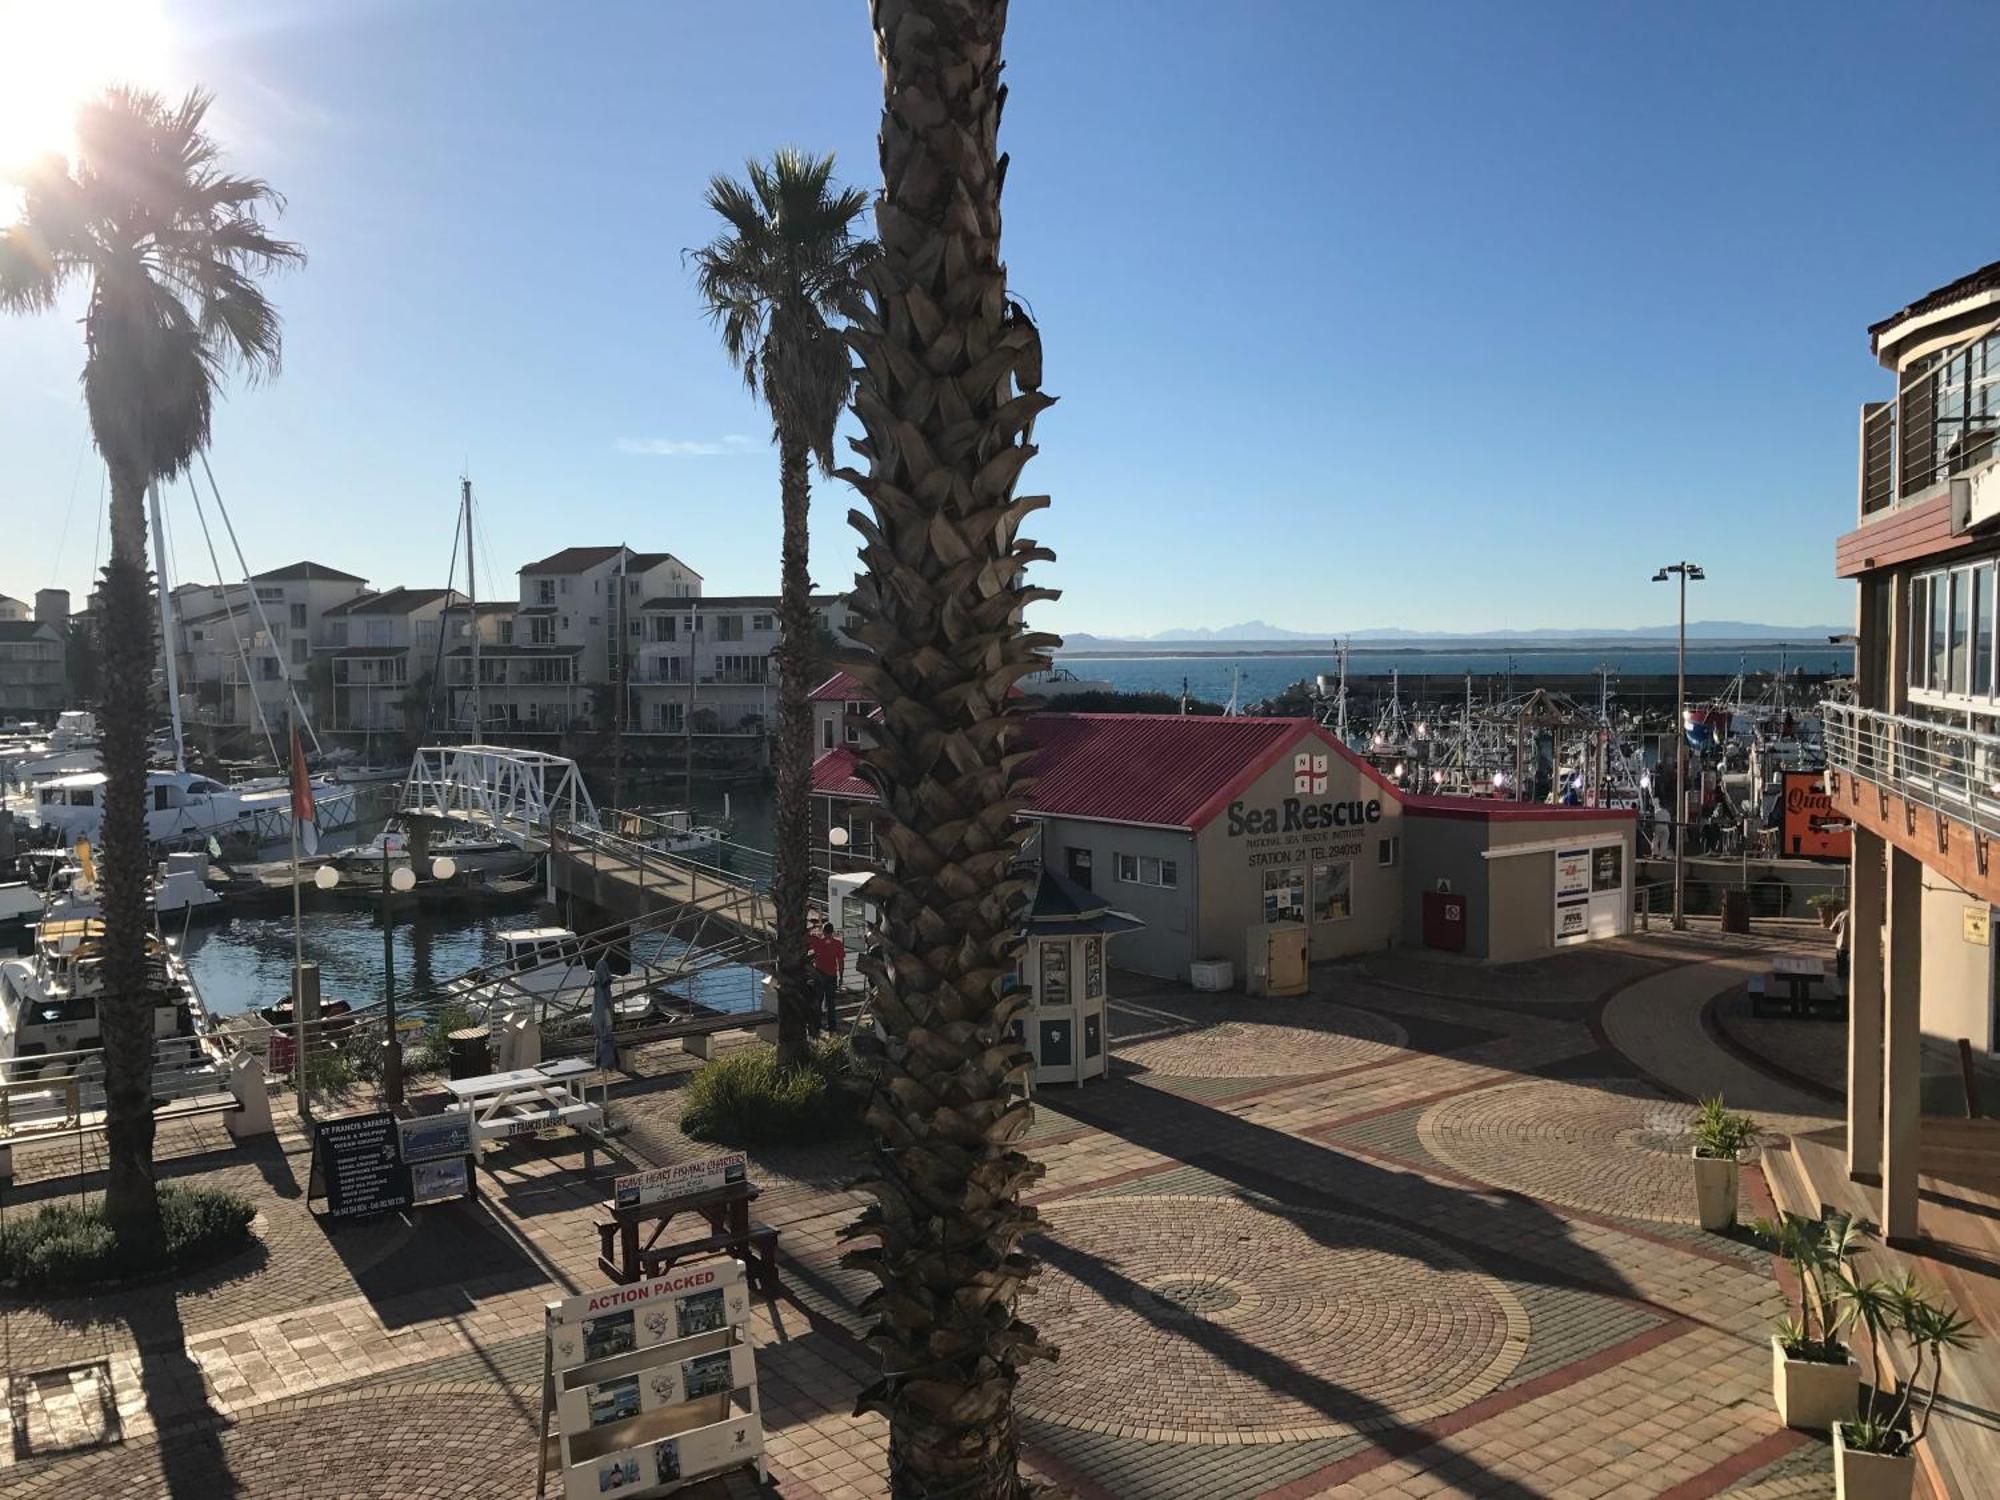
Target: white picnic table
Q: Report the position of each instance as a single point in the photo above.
(1800, 965)
(527, 1101)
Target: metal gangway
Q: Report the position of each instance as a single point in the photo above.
(516, 795)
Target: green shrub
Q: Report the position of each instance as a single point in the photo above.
(62, 1247)
(747, 1099)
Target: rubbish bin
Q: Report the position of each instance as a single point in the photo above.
(1736, 910)
(468, 1053)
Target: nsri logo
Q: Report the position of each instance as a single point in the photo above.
(1308, 774)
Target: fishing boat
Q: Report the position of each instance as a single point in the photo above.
(186, 807)
(542, 970)
(68, 748)
(488, 856)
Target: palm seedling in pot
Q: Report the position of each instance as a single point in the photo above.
(1875, 1453)
(1721, 1136)
(1814, 1379)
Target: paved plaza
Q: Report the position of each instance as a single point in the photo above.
(1425, 1232)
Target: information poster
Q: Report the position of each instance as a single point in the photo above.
(682, 1180)
(1572, 896)
(670, 1384)
(437, 1136)
(621, 1319)
(666, 1461)
(358, 1165)
(438, 1181)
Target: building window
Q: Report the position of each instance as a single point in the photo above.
(1333, 892)
(545, 591)
(1285, 895)
(826, 734)
(1940, 622)
(1982, 629)
(761, 622)
(1125, 867)
(853, 715)
(1919, 631)
(1148, 869)
(1388, 851)
(300, 646)
(728, 628)
(860, 833)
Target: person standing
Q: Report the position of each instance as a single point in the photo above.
(829, 956)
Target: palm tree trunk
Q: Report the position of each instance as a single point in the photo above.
(939, 608)
(124, 863)
(792, 815)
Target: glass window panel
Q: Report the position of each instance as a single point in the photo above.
(1961, 629)
(1919, 613)
(1333, 891)
(1982, 630)
(1285, 895)
(1149, 869)
(1170, 873)
(1940, 618)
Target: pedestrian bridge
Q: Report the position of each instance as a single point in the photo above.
(517, 795)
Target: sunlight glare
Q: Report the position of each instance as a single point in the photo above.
(59, 53)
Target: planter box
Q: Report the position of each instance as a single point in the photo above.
(1870, 1476)
(1812, 1395)
(1715, 1191)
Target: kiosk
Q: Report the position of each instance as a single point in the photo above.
(1063, 966)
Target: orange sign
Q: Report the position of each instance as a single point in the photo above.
(1812, 827)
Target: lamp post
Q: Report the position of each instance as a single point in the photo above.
(1688, 573)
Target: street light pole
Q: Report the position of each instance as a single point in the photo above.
(1688, 572)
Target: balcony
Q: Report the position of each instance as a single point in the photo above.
(1933, 790)
(1944, 421)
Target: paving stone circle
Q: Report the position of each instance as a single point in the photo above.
(1215, 1320)
(1603, 1145)
(1264, 1039)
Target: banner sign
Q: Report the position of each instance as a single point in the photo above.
(1811, 827)
(620, 1319)
(438, 1136)
(683, 1180)
(1572, 899)
(668, 1461)
(358, 1165)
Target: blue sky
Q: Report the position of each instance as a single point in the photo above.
(1452, 316)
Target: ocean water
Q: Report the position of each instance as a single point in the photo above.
(1436, 672)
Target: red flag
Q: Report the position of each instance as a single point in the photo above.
(305, 817)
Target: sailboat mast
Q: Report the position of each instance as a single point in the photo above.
(167, 624)
(472, 599)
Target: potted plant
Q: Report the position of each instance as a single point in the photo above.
(1875, 1454)
(1814, 1380)
(1828, 906)
(1720, 1138)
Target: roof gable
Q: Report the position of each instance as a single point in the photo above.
(305, 572)
(573, 560)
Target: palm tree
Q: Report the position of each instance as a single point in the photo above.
(168, 247)
(947, 395)
(780, 282)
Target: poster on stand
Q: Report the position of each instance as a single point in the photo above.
(683, 1180)
(671, 1383)
(437, 1136)
(667, 1461)
(618, 1320)
(357, 1165)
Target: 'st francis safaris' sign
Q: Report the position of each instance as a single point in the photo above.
(358, 1165)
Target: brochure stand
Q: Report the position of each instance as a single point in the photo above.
(652, 1386)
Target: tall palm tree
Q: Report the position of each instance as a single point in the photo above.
(780, 282)
(947, 394)
(168, 247)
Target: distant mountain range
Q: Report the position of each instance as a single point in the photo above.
(1260, 636)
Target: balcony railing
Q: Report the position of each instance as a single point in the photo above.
(1945, 420)
(1952, 770)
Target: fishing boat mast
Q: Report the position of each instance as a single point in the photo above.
(472, 600)
(167, 651)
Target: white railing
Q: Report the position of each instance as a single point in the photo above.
(1954, 770)
(513, 793)
(50, 1092)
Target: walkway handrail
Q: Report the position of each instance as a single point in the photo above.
(1944, 767)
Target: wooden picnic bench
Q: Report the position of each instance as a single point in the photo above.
(527, 1101)
(625, 1258)
(1797, 974)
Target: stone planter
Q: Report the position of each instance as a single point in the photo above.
(1812, 1395)
(1870, 1476)
(1715, 1180)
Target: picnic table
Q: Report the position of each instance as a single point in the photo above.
(730, 1230)
(1797, 973)
(527, 1101)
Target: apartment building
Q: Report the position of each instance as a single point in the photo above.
(34, 656)
(578, 616)
(384, 653)
(706, 664)
(1914, 762)
(240, 645)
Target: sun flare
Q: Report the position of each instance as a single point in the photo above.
(57, 54)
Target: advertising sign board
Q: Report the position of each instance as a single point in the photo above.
(358, 1166)
(682, 1180)
(617, 1320)
(1811, 827)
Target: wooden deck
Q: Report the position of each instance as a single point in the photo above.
(1958, 1256)
(633, 887)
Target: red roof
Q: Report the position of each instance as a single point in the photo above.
(833, 776)
(1165, 770)
(841, 687)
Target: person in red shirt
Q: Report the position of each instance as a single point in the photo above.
(829, 956)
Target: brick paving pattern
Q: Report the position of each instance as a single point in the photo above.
(1420, 1233)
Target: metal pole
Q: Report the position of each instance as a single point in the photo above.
(392, 1054)
(298, 967)
(167, 643)
(1680, 761)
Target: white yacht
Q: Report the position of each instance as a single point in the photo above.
(68, 748)
(544, 968)
(466, 849)
(48, 999)
(179, 890)
(182, 805)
